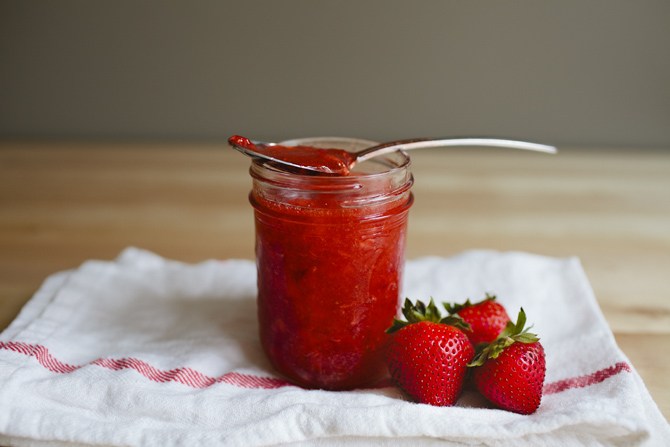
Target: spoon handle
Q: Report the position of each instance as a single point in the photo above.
(420, 143)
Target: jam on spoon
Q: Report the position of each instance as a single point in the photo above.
(326, 161)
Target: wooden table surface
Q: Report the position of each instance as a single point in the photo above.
(63, 203)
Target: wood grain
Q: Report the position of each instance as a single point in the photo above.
(62, 203)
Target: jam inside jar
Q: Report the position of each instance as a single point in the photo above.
(330, 255)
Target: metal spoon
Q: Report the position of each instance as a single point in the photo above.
(340, 161)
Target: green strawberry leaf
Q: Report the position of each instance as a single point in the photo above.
(453, 308)
(396, 326)
(416, 312)
(457, 321)
(513, 333)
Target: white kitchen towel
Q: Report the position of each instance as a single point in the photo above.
(143, 351)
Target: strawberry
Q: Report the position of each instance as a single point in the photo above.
(510, 371)
(427, 355)
(486, 318)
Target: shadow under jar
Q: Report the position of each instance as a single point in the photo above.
(330, 256)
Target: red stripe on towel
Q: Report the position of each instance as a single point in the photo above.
(587, 380)
(42, 355)
(186, 376)
(196, 379)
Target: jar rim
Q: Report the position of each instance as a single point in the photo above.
(268, 172)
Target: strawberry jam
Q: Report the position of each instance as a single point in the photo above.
(329, 254)
(325, 160)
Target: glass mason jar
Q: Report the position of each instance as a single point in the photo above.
(330, 255)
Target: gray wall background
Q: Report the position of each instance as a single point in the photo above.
(569, 72)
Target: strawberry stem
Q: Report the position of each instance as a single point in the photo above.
(513, 333)
(417, 312)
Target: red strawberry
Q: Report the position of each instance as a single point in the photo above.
(510, 371)
(487, 318)
(427, 355)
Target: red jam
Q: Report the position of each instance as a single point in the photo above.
(329, 252)
(324, 160)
